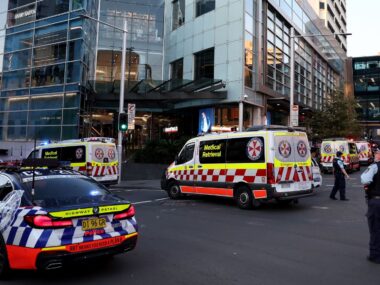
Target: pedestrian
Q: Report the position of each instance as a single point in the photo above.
(371, 180)
(340, 175)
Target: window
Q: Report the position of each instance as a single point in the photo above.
(6, 187)
(212, 151)
(204, 6)
(353, 149)
(177, 69)
(186, 154)
(243, 150)
(178, 13)
(71, 153)
(321, 5)
(204, 64)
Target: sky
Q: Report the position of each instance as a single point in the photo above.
(363, 21)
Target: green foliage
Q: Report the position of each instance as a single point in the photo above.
(337, 119)
(162, 151)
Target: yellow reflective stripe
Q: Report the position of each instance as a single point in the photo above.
(177, 168)
(89, 211)
(293, 134)
(78, 164)
(278, 163)
(54, 248)
(113, 208)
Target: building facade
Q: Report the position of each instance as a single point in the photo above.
(366, 83)
(192, 66)
(333, 13)
(247, 45)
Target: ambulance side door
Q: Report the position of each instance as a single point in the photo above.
(185, 165)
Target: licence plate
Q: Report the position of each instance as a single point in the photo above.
(90, 224)
(317, 179)
(285, 185)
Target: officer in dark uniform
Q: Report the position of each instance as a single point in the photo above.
(340, 175)
(371, 180)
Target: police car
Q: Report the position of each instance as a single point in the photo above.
(52, 216)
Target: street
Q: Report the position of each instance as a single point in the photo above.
(204, 240)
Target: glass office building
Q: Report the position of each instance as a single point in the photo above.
(366, 81)
(48, 53)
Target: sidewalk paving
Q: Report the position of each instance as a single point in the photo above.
(139, 184)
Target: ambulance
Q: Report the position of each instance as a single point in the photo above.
(348, 148)
(365, 152)
(95, 157)
(264, 163)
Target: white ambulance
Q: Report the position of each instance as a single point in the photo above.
(264, 163)
(95, 157)
(365, 152)
(349, 152)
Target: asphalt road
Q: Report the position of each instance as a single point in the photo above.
(203, 240)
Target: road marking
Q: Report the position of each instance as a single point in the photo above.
(150, 201)
(320, 208)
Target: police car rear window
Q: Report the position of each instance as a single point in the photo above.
(58, 190)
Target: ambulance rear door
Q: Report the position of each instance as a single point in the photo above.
(292, 162)
(327, 153)
(104, 161)
(183, 170)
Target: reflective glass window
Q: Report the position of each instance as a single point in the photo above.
(16, 79)
(75, 50)
(47, 8)
(248, 78)
(17, 60)
(49, 54)
(44, 132)
(177, 69)
(70, 116)
(14, 103)
(71, 100)
(22, 15)
(76, 29)
(19, 41)
(51, 34)
(249, 23)
(48, 75)
(204, 6)
(249, 6)
(204, 64)
(13, 118)
(70, 132)
(12, 133)
(45, 117)
(178, 18)
(74, 72)
(51, 101)
(18, 3)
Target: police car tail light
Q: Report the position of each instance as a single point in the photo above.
(125, 215)
(270, 174)
(42, 221)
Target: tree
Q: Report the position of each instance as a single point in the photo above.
(338, 118)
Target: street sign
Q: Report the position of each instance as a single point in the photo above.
(294, 116)
(131, 116)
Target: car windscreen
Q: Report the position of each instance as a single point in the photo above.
(67, 190)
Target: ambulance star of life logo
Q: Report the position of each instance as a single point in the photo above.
(111, 154)
(341, 148)
(99, 153)
(285, 149)
(301, 148)
(254, 149)
(327, 148)
(362, 148)
(79, 153)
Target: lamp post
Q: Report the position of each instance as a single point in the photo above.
(122, 84)
(292, 63)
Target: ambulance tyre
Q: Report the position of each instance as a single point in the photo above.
(4, 266)
(174, 191)
(244, 198)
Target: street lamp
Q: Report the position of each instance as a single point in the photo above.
(292, 63)
(122, 82)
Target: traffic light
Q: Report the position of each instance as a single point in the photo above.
(123, 121)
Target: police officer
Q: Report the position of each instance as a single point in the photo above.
(371, 180)
(339, 173)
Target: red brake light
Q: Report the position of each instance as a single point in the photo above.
(270, 174)
(41, 221)
(125, 215)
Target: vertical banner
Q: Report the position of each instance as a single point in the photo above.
(131, 116)
(294, 116)
(206, 120)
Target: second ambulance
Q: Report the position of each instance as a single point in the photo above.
(269, 162)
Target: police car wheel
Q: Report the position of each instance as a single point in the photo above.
(4, 266)
(244, 198)
(174, 191)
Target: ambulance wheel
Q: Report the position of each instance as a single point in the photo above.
(4, 266)
(244, 198)
(174, 191)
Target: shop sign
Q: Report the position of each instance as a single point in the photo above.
(206, 120)
(171, 130)
(131, 116)
(24, 14)
(294, 116)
